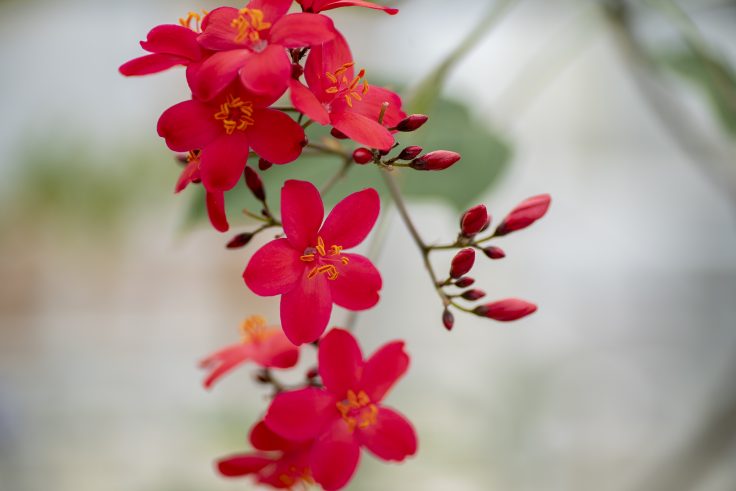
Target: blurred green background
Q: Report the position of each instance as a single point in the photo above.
(112, 287)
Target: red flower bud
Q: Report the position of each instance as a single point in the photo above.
(410, 153)
(494, 252)
(312, 373)
(264, 164)
(254, 183)
(338, 134)
(412, 123)
(507, 310)
(448, 319)
(240, 240)
(526, 213)
(462, 263)
(473, 294)
(464, 282)
(437, 160)
(362, 155)
(296, 71)
(474, 220)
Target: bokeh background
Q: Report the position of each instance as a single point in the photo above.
(112, 288)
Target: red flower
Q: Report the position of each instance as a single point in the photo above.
(252, 42)
(265, 346)
(215, 199)
(525, 213)
(338, 97)
(347, 413)
(309, 268)
(317, 6)
(277, 462)
(224, 129)
(507, 310)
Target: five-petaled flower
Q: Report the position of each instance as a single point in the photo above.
(347, 413)
(339, 97)
(251, 43)
(263, 345)
(317, 6)
(309, 268)
(277, 462)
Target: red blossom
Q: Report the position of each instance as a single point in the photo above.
(309, 268)
(507, 310)
(250, 44)
(525, 213)
(347, 413)
(474, 220)
(322, 5)
(338, 97)
(170, 45)
(215, 200)
(437, 160)
(462, 263)
(264, 346)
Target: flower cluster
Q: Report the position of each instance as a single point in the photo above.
(259, 77)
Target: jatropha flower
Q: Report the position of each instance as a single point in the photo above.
(347, 413)
(251, 42)
(263, 345)
(338, 97)
(317, 6)
(277, 462)
(215, 200)
(225, 128)
(309, 268)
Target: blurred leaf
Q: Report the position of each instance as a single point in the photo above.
(715, 78)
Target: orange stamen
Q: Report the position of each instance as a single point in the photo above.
(357, 410)
(322, 255)
(249, 24)
(235, 114)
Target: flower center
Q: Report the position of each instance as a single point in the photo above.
(193, 17)
(253, 329)
(235, 114)
(357, 410)
(296, 476)
(249, 25)
(325, 259)
(342, 87)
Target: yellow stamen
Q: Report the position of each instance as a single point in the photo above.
(193, 17)
(235, 114)
(254, 329)
(249, 24)
(357, 410)
(348, 89)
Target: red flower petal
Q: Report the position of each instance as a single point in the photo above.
(263, 438)
(272, 10)
(217, 72)
(371, 104)
(242, 465)
(305, 310)
(335, 457)
(267, 73)
(362, 130)
(275, 136)
(276, 351)
(216, 211)
(327, 58)
(145, 65)
(219, 34)
(302, 212)
(187, 126)
(352, 219)
(322, 5)
(187, 176)
(274, 269)
(223, 361)
(340, 362)
(223, 161)
(383, 369)
(298, 30)
(391, 438)
(357, 286)
(172, 39)
(301, 415)
(304, 100)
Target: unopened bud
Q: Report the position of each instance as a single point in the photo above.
(448, 319)
(362, 155)
(296, 71)
(254, 183)
(462, 263)
(474, 220)
(525, 213)
(437, 160)
(412, 123)
(240, 240)
(473, 294)
(338, 134)
(264, 164)
(507, 310)
(262, 377)
(410, 153)
(464, 282)
(494, 252)
(312, 373)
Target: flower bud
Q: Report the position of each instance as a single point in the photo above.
(362, 155)
(254, 183)
(473, 294)
(240, 240)
(437, 160)
(494, 252)
(410, 153)
(507, 310)
(296, 71)
(264, 164)
(338, 134)
(462, 263)
(474, 220)
(412, 123)
(312, 373)
(464, 282)
(526, 213)
(448, 319)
